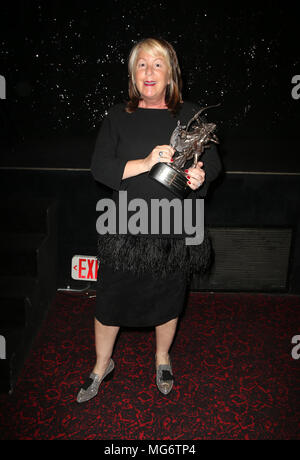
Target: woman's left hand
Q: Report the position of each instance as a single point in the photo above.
(195, 176)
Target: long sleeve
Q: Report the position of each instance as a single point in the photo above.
(106, 167)
(212, 166)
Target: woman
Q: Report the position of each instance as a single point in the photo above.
(142, 280)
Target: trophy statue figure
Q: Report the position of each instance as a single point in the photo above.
(189, 143)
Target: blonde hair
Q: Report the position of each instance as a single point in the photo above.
(156, 46)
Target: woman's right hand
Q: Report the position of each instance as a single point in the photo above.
(154, 156)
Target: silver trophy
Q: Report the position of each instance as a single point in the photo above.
(189, 143)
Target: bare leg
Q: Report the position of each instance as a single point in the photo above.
(105, 337)
(164, 338)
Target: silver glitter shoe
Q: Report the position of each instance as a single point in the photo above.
(164, 378)
(91, 386)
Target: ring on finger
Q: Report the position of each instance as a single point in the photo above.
(161, 154)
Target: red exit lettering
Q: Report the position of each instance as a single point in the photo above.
(92, 268)
(81, 268)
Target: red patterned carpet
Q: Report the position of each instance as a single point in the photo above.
(235, 375)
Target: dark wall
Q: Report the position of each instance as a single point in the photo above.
(235, 200)
(65, 63)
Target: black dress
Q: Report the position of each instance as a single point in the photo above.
(143, 278)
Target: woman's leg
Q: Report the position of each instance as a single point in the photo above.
(164, 338)
(105, 337)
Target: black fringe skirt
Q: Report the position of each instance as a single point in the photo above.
(160, 256)
(142, 281)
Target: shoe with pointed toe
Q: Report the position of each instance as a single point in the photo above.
(91, 386)
(164, 378)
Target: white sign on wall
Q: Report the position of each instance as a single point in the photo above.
(84, 268)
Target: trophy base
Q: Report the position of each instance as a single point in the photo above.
(170, 177)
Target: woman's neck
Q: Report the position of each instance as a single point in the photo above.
(152, 104)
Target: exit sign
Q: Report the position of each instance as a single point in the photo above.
(84, 268)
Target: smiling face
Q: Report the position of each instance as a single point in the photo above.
(152, 77)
